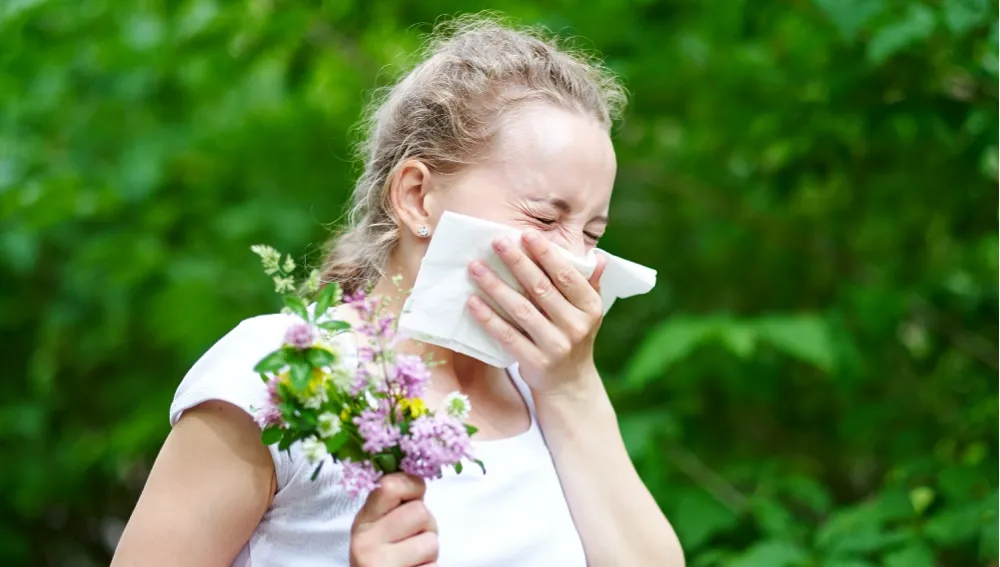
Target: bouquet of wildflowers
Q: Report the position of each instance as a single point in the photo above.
(370, 417)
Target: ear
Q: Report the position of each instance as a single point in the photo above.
(407, 193)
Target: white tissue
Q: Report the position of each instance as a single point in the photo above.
(436, 311)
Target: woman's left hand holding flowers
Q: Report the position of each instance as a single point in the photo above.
(555, 343)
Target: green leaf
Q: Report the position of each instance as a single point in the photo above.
(352, 450)
(962, 15)
(666, 345)
(326, 298)
(334, 326)
(918, 24)
(271, 435)
(701, 517)
(773, 519)
(272, 362)
(921, 497)
(638, 430)
(297, 306)
(286, 440)
(772, 554)
(458, 467)
(859, 524)
(809, 492)
(319, 357)
(315, 472)
(385, 462)
(300, 375)
(334, 443)
(954, 525)
(739, 338)
(806, 337)
(847, 562)
(989, 539)
(471, 430)
(850, 16)
(481, 465)
(914, 555)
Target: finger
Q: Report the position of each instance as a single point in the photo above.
(523, 313)
(595, 278)
(407, 520)
(563, 274)
(393, 490)
(536, 282)
(417, 550)
(512, 340)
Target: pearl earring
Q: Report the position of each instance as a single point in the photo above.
(423, 232)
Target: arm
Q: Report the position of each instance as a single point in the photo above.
(208, 489)
(617, 518)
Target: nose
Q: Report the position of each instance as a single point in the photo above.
(573, 243)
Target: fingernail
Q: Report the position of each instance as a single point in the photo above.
(501, 244)
(531, 237)
(475, 304)
(478, 269)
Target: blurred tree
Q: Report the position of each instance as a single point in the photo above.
(815, 381)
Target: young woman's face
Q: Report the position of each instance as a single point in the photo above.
(551, 170)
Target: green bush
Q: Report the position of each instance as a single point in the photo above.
(812, 384)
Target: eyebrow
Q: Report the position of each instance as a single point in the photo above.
(564, 207)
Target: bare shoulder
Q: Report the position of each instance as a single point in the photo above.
(211, 484)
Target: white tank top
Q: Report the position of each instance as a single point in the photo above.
(515, 514)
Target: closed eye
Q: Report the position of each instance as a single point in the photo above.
(545, 220)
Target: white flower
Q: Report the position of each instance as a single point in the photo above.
(283, 285)
(316, 400)
(269, 257)
(342, 379)
(289, 265)
(457, 405)
(329, 424)
(312, 283)
(313, 449)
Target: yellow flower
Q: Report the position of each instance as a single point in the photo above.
(284, 378)
(414, 406)
(346, 413)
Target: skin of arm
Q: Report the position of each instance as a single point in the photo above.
(618, 519)
(207, 491)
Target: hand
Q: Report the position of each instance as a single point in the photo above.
(394, 528)
(560, 321)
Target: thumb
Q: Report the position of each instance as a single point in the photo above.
(595, 278)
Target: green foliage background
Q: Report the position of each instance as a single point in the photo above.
(812, 384)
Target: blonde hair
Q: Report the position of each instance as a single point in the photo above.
(445, 113)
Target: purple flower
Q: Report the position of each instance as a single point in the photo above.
(434, 442)
(362, 378)
(374, 427)
(268, 416)
(364, 304)
(358, 478)
(366, 354)
(273, 395)
(300, 336)
(411, 375)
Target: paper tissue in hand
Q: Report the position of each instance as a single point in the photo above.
(436, 311)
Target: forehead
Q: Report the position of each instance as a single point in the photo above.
(544, 152)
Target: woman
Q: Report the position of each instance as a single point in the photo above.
(498, 124)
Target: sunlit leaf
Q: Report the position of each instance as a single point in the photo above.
(805, 337)
(704, 517)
